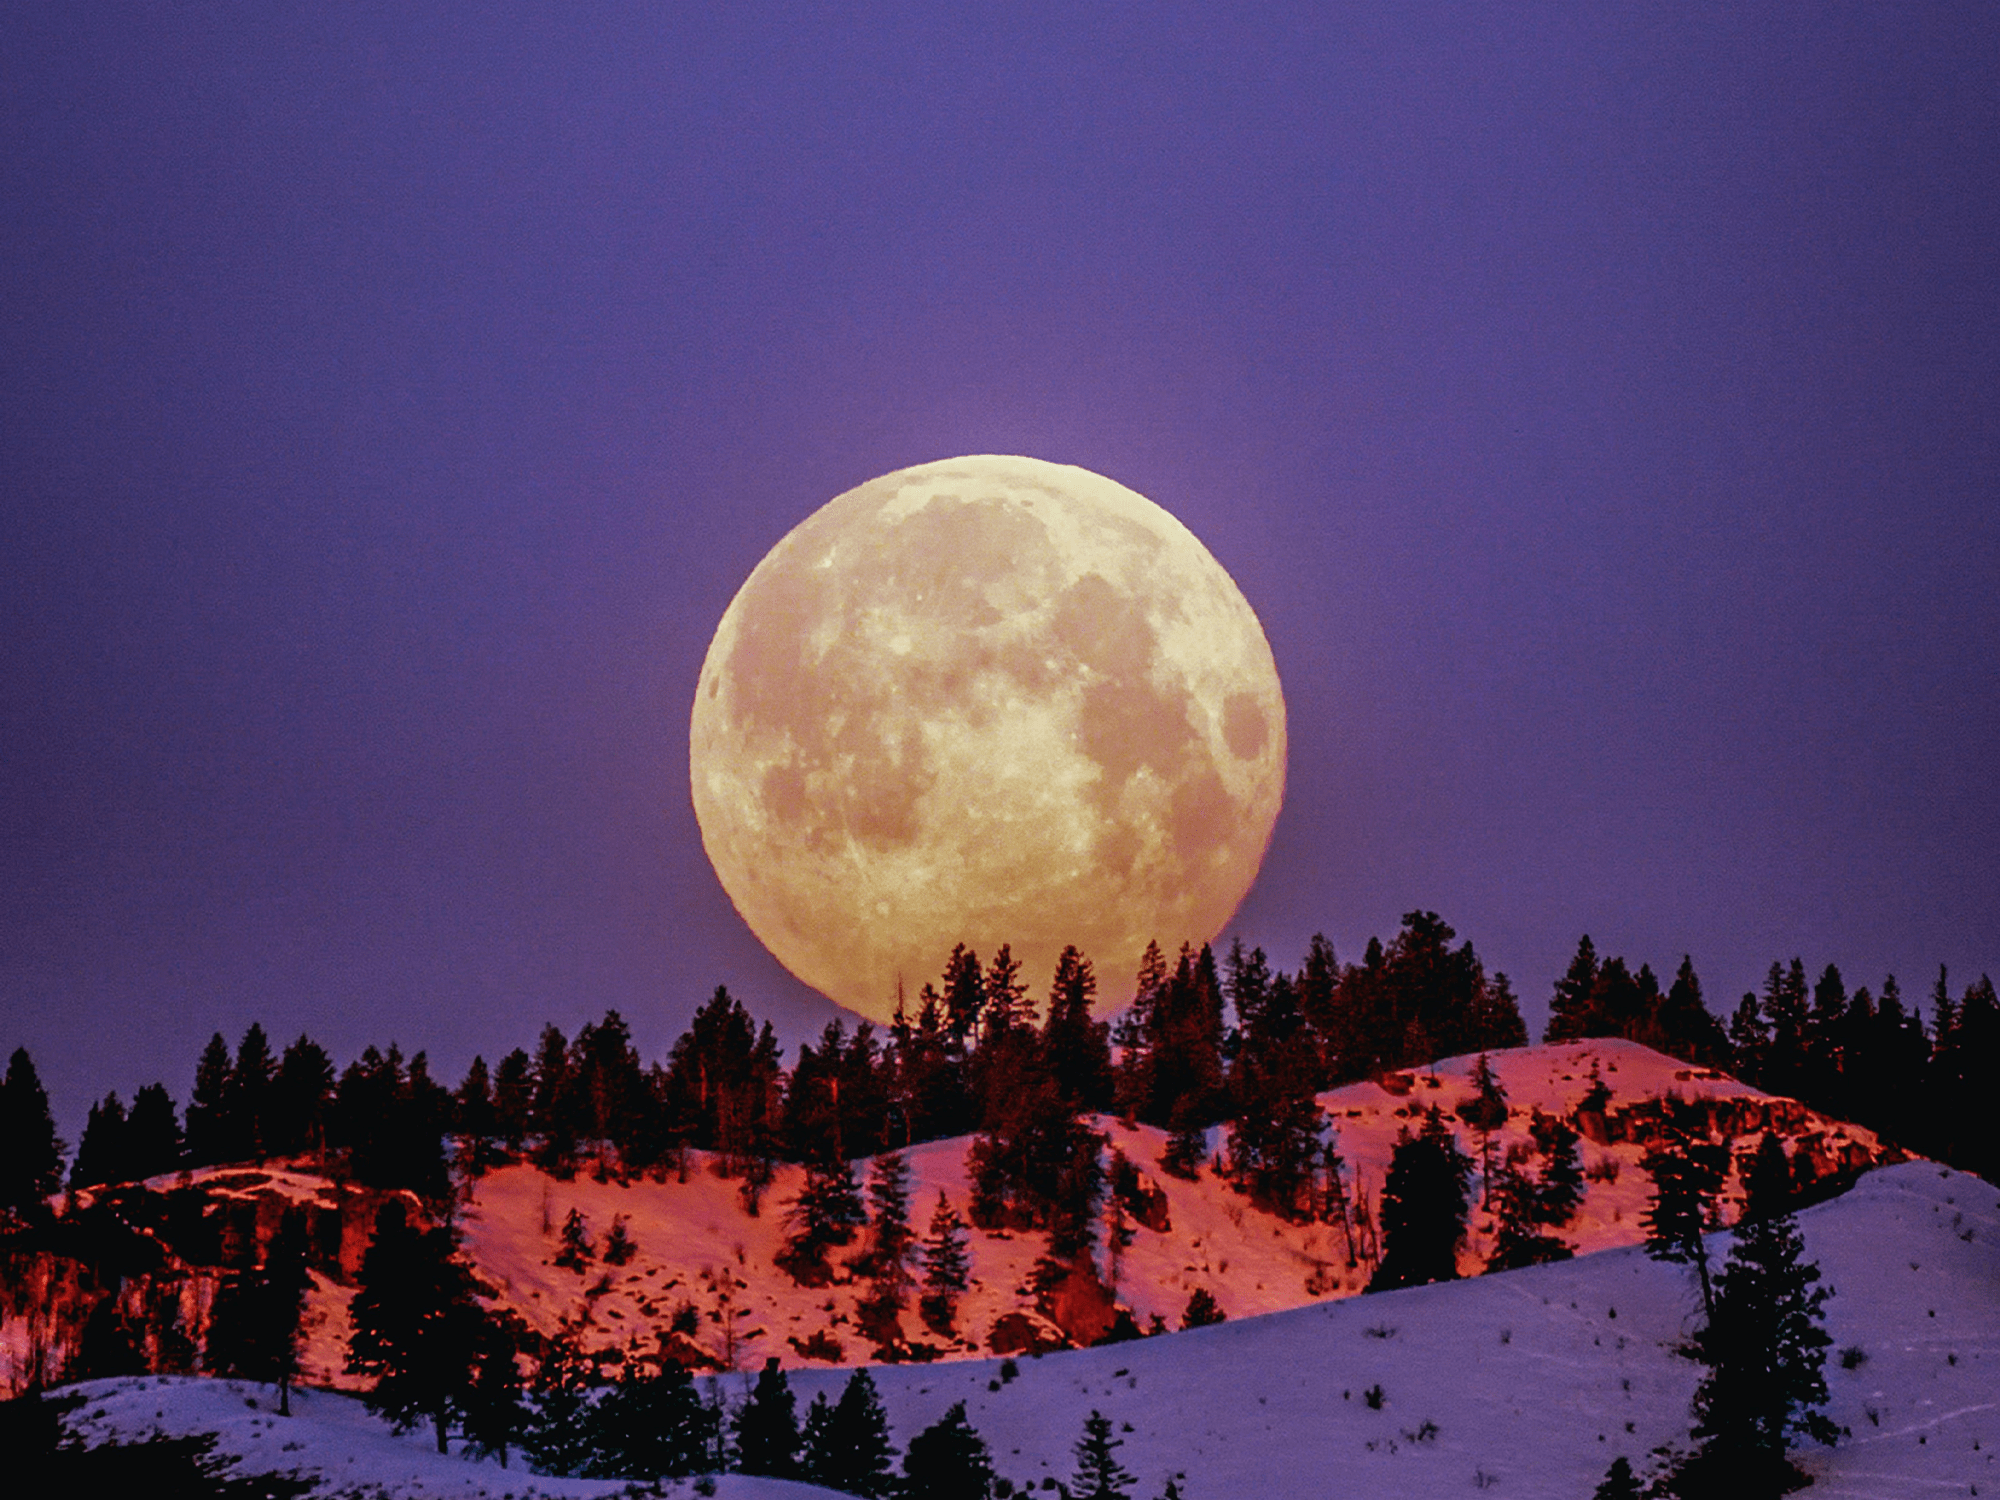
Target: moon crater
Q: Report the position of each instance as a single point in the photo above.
(985, 700)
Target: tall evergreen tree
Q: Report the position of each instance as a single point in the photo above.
(473, 1115)
(1765, 1349)
(211, 1135)
(1006, 993)
(1423, 1209)
(248, 1097)
(1485, 1112)
(255, 1325)
(417, 1327)
(513, 1099)
(1687, 1177)
(102, 1155)
(1274, 1133)
(947, 1268)
(847, 1447)
(1682, 1025)
(492, 1414)
(300, 1101)
(608, 1088)
(964, 995)
(1078, 1049)
(152, 1133)
(390, 1120)
(30, 1151)
(1319, 982)
(723, 1089)
(948, 1460)
(889, 1223)
(1571, 1009)
(557, 1432)
(1784, 1005)
(826, 1213)
(1749, 1039)
(573, 1248)
(652, 1426)
(1099, 1475)
(767, 1428)
(1529, 1207)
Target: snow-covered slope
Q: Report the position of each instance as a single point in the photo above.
(333, 1438)
(1529, 1378)
(698, 1248)
(1527, 1384)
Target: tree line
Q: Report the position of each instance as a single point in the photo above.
(1862, 1057)
(1202, 1044)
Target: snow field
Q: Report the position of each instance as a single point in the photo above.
(697, 1245)
(1528, 1381)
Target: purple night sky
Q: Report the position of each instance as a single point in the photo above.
(1598, 405)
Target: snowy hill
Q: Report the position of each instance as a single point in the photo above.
(699, 1251)
(704, 1271)
(1525, 1384)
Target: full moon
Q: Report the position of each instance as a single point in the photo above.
(987, 700)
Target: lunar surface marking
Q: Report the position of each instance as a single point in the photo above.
(985, 700)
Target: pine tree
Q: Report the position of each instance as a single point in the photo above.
(1560, 1190)
(1749, 1040)
(558, 1433)
(575, 1252)
(30, 1151)
(513, 1099)
(255, 1325)
(1785, 1010)
(619, 1246)
(1006, 994)
(1202, 1310)
(947, 1268)
(1423, 1209)
(210, 1135)
(152, 1134)
(493, 1413)
(767, 1428)
(1335, 1207)
(1099, 1475)
(847, 1447)
(1485, 1112)
(814, 1441)
(102, 1154)
(1274, 1134)
(476, 1122)
(1078, 1049)
(249, 1095)
(948, 1460)
(1768, 1185)
(417, 1328)
(826, 1213)
(889, 1222)
(1528, 1208)
(1187, 1146)
(1572, 1011)
(287, 1281)
(651, 1426)
(1765, 1348)
(1687, 1175)
(301, 1099)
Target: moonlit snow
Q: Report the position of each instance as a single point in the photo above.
(1524, 1384)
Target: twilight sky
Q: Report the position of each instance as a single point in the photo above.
(1597, 404)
